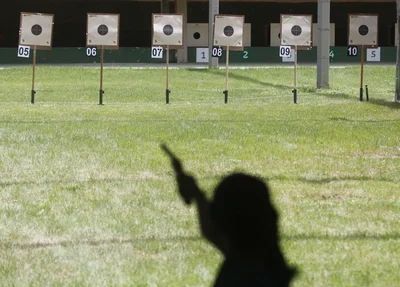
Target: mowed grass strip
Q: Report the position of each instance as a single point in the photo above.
(89, 199)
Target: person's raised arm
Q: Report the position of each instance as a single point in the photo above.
(189, 190)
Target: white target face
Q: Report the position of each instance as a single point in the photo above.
(168, 30)
(36, 29)
(296, 30)
(197, 35)
(363, 30)
(228, 30)
(103, 30)
(275, 35)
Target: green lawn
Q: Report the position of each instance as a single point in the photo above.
(88, 198)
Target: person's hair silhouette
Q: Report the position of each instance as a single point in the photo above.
(243, 224)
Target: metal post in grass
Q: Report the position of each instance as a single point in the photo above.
(213, 9)
(362, 73)
(397, 88)
(323, 43)
(295, 76)
(101, 75)
(167, 91)
(33, 92)
(226, 75)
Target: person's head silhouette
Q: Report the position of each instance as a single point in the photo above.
(242, 210)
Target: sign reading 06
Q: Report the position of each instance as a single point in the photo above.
(167, 30)
(228, 31)
(102, 30)
(36, 29)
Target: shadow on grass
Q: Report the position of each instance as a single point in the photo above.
(67, 183)
(115, 241)
(111, 241)
(285, 88)
(346, 178)
(354, 236)
(243, 78)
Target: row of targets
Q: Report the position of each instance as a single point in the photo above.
(103, 30)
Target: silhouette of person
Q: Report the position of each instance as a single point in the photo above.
(243, 224)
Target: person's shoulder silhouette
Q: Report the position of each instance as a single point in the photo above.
(242, 223)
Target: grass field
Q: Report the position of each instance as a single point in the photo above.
(88, 198)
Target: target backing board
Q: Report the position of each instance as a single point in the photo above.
(167, 30)
(36, 29)
(197, 34)
(102, 30)
(228, 31)
(363, 30)
(296, 30)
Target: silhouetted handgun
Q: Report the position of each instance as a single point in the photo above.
(184, 181)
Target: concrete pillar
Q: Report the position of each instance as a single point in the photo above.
(324, 14)
(181, 8)
(213, 9)
(164, 6)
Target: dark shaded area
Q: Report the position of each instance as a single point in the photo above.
(242, 223)
(135, 26)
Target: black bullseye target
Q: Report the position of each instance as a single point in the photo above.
(168, 30)
(363, 30)
(229, 31)
(102, 30)
(36, 30)
(296, 30)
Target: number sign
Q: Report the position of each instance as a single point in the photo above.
(91, 51)
(217, 52)
(352, 51)
(24, 51)
(285, 51)
(157, 52)
(201, 55)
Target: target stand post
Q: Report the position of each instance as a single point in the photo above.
(167, 90)
(362, 73)
(226, 76)
(295, 76)
(33, 92)
(101, 92)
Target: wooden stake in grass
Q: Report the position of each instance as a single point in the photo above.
(33, 92)
(295, 76)
(167, 91)
(101, 75)
(226, 75)
(362, 73)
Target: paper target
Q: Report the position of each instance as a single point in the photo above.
(363, 30)
(168, 30)
(36, 30)
(275, 35)
(296, 30)
(197, 34)
(102, 30)
(228, 31)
